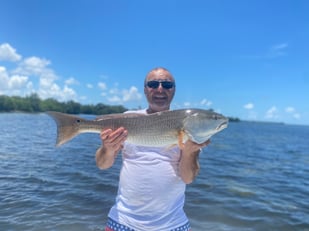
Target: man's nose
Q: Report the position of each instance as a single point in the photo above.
(160, 88)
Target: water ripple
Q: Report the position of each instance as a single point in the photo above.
(253, 177)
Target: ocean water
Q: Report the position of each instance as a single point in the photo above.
(254, 176)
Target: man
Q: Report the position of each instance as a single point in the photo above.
(152, 180)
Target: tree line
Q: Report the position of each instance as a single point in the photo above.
(33, 103)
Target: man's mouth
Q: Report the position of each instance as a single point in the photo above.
(159, 98)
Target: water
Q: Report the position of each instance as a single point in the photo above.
(254, 176)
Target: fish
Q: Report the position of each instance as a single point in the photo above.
(160, 129)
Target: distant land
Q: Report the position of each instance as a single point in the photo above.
(33, 104)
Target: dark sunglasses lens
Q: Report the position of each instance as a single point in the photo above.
(153, 84)
(167, 85)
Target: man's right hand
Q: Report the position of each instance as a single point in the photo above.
(113, 140)
(112, 143)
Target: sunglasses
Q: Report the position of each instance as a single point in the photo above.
(154, 84)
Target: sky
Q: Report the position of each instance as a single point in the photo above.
(242, 58)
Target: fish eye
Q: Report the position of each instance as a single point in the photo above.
(78, 121)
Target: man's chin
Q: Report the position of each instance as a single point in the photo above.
(160, 106)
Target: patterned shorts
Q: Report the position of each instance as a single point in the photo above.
(115, 226)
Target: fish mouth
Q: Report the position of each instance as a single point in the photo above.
(222, 126)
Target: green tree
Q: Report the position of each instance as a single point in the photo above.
(51, 104)
(72, 107)
(6, 104)
(34, 102)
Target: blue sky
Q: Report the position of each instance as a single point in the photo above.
(243, 58)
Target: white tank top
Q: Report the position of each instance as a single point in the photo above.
(151, 193)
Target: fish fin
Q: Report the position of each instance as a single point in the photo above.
(67, 126)
(181, 135)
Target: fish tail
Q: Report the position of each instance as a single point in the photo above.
(67, 126)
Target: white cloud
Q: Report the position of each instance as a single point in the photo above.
(274, 51)
(68, 93)
(296, 115)
(4, 78)
(102, 86)
(12, 84)
(46, 83)
(83, 97)
(131, 95)
(8, 53)
(116, 95)
(292, 111)
(272, 113)
(289, 109)
(35, 66)
(30, 87)
(187, 104)
(71, 81)
(114, 91)
(115, 99)
(88, 85)
(18, 82)
(252, 115)
(249, 106)
(206, 102)
(277, 50)
(52, 90)
(47, 87)
(123, 96)
(280, 46)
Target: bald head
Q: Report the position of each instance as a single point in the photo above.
(159, 73)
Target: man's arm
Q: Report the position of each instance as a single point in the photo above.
(112, 143)
(189, 163)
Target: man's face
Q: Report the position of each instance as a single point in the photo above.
(159, 90)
